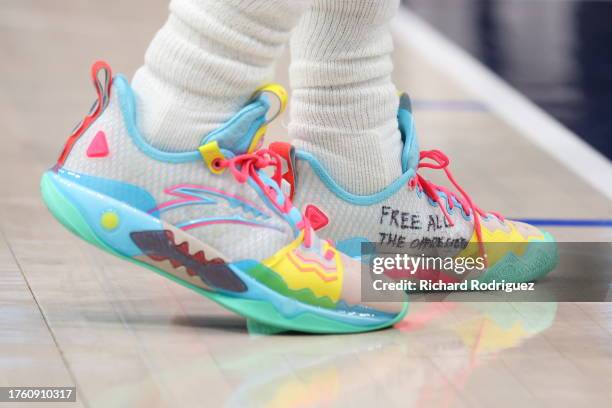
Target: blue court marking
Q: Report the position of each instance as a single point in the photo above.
(557, 222)
(450, 105)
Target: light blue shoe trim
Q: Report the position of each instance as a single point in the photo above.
(410, 160)
(127, 103)
(237, 134)
(410, 154)
(92, 205)
(252, 116)
(128, 193)
(352, 246)
(350, 197)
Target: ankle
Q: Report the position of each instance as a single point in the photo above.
(173, 120)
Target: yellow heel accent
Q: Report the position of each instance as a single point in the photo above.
(212, 154)
(497, 244)
(300, 269)
(279, 92)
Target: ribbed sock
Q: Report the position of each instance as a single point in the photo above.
(344, 105)
(205, 63)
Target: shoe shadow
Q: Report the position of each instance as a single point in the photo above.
(234, 324)
(225, 323)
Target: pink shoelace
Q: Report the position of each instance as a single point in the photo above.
(441, 162)
(248, 165)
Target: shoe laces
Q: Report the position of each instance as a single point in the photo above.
(247, 166)
(439, 161)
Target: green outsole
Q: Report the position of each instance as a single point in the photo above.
(540, 258)
(260, 313)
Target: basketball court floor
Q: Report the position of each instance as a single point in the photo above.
(71, 315)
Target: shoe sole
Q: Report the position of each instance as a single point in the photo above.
(539, 259)
(264, 309)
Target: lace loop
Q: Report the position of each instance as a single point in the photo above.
(247, 166)
(439, 161)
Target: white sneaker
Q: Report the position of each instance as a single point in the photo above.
(209, 219)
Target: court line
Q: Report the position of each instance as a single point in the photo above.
(464, 105)
(507, 103)
(560, 222)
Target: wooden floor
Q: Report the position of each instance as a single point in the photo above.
(72, 315)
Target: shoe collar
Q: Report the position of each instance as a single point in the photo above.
(240, 134)
(409, 158)
(244, 132)
(410, 153)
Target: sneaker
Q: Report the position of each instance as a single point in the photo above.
(417, 217)
(210, 219)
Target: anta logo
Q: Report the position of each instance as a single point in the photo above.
(247, 212)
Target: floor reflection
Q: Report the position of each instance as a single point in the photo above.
(363, 369)
(426, 360)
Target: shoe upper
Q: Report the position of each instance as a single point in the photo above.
(177, 187)
(410, 215)
(247, 222)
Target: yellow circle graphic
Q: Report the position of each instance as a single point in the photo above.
(109, 220)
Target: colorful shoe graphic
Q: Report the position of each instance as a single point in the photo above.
(209, 219)
(415, 216)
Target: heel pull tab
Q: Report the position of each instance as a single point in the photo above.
(280, 95)
(102, 78)
(286, 151)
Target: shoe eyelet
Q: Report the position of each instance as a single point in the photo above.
(216, 164)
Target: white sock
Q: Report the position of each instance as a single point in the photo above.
(344, 105)
(205, 63)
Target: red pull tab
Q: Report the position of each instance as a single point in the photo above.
(285, 150)
(103, 89)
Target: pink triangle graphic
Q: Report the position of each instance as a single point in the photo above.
(318, 219)
(98, 146)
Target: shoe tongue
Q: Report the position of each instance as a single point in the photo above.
(243, 133)
(410, 154)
